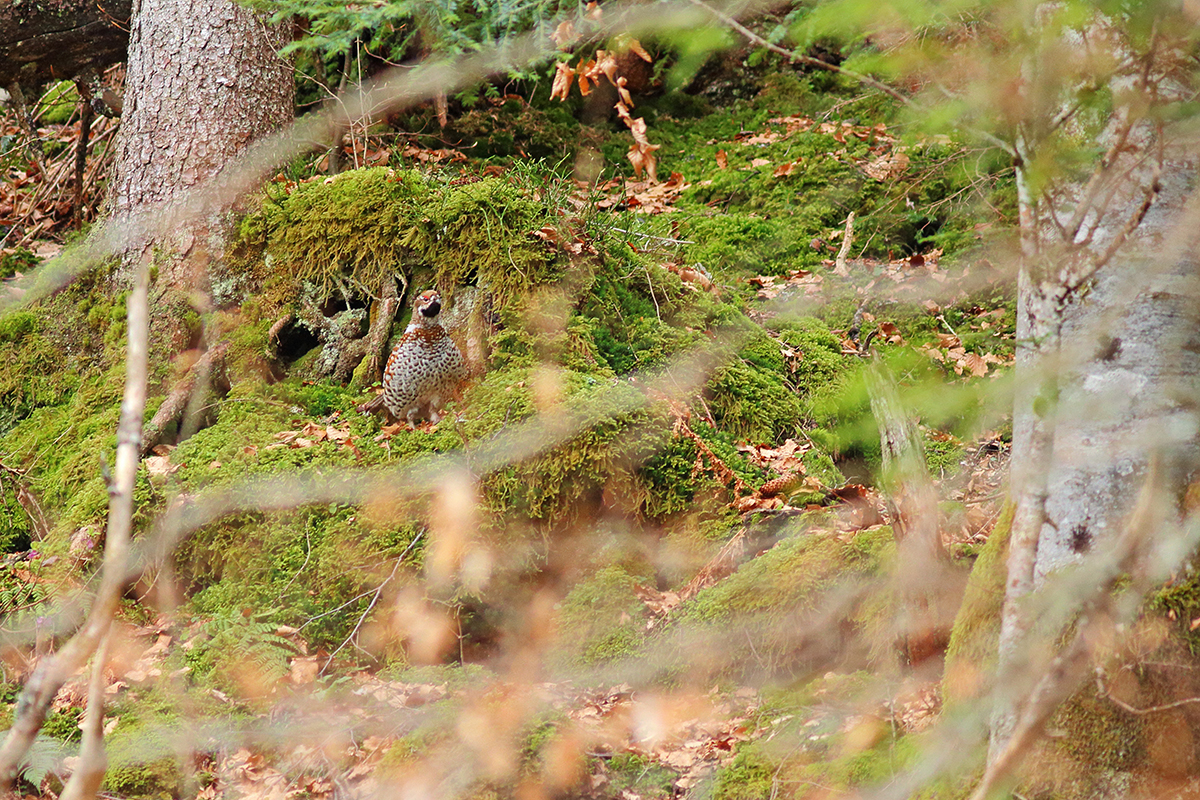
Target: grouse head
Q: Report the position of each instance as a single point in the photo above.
(429, 304)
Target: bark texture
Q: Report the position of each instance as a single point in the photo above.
(59, 40)
(204, 81)
(1130, 379)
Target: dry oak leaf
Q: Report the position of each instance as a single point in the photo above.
(643, 160)
(563, 77)
(722, 159)
(784, 169)
(547, 233)
(584, 73)
(606, 63)
(770, 137)
(760, 162)
(641, 155)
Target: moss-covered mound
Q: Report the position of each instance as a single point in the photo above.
(353, 231)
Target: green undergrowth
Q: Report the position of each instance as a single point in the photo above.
(61, 380)
(593, 341)
(789, 576)
(746, 218)
(604, 615)
(762, 600)
(825, 732)
(830, 733)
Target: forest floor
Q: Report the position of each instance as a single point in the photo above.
(667, 581)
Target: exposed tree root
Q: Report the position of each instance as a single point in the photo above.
(209, 370)
(28, 501)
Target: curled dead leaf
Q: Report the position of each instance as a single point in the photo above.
(636, 47)
(606, 63)
(563, 76)
(623, 92)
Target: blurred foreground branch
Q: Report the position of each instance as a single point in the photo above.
(55, 670)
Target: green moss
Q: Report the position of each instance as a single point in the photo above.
(67, 443)
(361, 227)
(15, 325)
(637, 313)
(1179, 602)
(790, 575)
(59, 104)
(943, 453)
(566, 480)
(867, 768)
(670, 478)
(480, 234)
(148, 780)
(292, 567)
(751, 776)
(753, 403)
(766, 595)
(1098, 733)
(33, 371)
(974, 638)
(360, 224)
(765, 392)
(819, 738)
(603, 615)
(816, 360)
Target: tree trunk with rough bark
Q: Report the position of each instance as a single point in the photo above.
(204, 81)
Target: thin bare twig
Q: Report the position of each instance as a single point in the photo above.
(89, 774)
(378, 592)
(1102, 688)
(840, 267)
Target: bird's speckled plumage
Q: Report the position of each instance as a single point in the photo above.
(425, 367)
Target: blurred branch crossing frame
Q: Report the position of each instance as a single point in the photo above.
(1090, 431)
